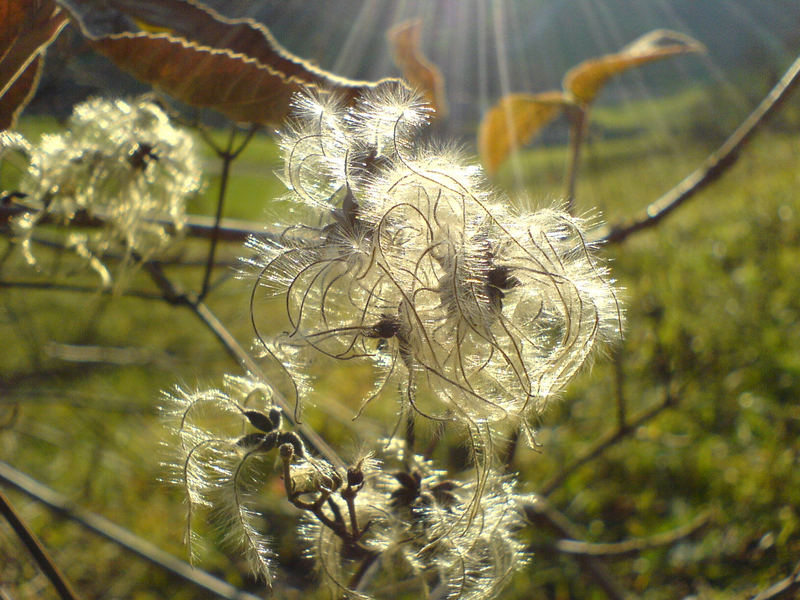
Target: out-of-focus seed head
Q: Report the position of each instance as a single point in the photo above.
(120, 161)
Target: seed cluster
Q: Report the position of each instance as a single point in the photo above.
(404, 257)
(120, 161)
(491, 307)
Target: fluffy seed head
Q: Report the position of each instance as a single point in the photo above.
(221, 461)
(408, 258)
(121, 161)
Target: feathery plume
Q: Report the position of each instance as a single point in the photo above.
(405, 256)
(121, 161)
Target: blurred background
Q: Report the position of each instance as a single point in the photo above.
(688, 431)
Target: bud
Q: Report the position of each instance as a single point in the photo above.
(355, 477)
(286, 451)
(259, 420)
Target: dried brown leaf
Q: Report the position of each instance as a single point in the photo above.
(513, 122)
(585, 80)
(237, 86)
(421, 73)
(26, 28)
(194, 22)
(194, 54)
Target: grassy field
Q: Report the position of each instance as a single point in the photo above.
(713, 310)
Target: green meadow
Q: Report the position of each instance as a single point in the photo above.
(712, 338)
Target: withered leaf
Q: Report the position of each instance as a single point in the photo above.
(404, 39)
(516, 118)
(513, 122)
(26, 28)
(194, 54)
(585, 80)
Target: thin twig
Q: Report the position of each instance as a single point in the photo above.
(227, 156)
(40, 555)
(542, 513)
(713, 167)
(509, 452)
(577, 133)
(637, 545)
(782, 589)
(175, 295)
(411, 432)
(81, 289)
(619, 388)
(243, 358)
(200, 226)
(606, 441)
(116, 534)
(364, 569)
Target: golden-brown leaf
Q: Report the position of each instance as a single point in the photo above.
(237, 86)
(191, 52)
(585, 80)
(417, 69)
(26, 29)
(513, 122)
(194, 22)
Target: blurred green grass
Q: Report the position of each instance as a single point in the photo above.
(713, 309)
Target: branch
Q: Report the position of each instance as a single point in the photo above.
(118, 535)
(541, 512)
(175, 295)
(200, 226)
(637, 545)
(36, 549)
(621, 431)
(578, 123)
(83, 289)
(713, 167)
(228, 155)
(783, 588)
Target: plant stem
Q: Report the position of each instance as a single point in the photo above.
(175, 295)
(227, 159)
(36, 549)
(541, 512)
(619, 388)
(577, 133)
(116, 534)
(713, 166)
(634, 546)
(612, 437)
(227, 156)
(358, 576)
(783, 589)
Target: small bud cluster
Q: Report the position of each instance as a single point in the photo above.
(421, 530)
(122, 162)
(399, 513)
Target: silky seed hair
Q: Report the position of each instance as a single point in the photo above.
(478, 311)
(408, 258)
(119, 160)
(214, 455)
